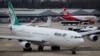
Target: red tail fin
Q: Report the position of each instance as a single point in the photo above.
(65, 11)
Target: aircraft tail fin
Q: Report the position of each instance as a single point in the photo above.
(65, 11)
(47, 24)
(14, 20)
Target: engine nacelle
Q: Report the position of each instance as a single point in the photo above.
(25, 44)
(93, 38)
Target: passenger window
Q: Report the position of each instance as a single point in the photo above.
(57, 34)
(60, 34)
(64, 34)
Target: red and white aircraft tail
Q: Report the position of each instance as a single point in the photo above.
(66, 13)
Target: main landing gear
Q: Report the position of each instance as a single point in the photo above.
(40, 48)
(55, 48)
(27, 49)
(73, 51)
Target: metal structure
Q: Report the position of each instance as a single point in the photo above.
(84, 4)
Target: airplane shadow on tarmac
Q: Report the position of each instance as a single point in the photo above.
(77, 49)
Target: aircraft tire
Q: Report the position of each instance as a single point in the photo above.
(40, 48)
(73, 52)
(27, 49)
(55, 48)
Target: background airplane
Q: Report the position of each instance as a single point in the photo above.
(67, 16)
(47, 24)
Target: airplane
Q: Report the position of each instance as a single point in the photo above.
(67, 16)
(84, 28)
(89, 28)
(42, 36)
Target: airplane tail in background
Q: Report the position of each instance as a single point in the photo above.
(48, 24)
(14, 20)
(66, 12)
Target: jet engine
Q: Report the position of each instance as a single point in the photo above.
(93, 38)
(25, 44)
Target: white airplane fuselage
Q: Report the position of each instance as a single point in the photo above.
(85, 17)
(51, 36)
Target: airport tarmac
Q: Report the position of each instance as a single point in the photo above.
(13, 48)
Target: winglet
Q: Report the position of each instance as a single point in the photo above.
(14, 20)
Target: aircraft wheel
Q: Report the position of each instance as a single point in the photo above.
(40, 48)
(55, 48)
(73, 52)
(27, 49)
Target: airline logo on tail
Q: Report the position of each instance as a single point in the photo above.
(65, 11)
(13, 17)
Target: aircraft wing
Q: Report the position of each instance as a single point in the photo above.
(32, 39)
(90, 32)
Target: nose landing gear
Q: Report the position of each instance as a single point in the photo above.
(73, 51)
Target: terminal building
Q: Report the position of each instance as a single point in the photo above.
(26, 15)
(27, 10)
(84, 4)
